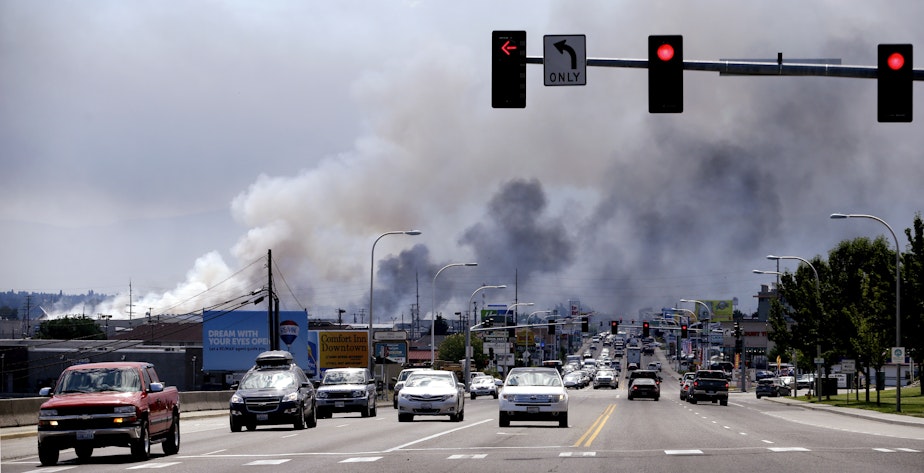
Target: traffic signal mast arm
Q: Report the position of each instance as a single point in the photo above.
(823, 67)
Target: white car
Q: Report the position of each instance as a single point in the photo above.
(483, 386)
(431, 393)
(533, 394)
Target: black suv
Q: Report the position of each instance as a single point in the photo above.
(275, 391)
(635, 374)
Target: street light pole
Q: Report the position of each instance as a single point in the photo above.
(433, 309)
(818, 301)
(468, 335)
(708, 330)
(898, 307)
(371, 356)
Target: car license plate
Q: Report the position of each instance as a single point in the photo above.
(710, 392)
(262, 416)
(338, 404)
(84, 435)
(532, 410)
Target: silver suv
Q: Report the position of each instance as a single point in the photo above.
(346, 390)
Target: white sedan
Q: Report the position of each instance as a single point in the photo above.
(533, 394)
(431, 393)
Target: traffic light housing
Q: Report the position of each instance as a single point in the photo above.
(684, 333)
(894, 77)
(585, 324)
(614, 327)
(646, 330)
(508, 69)
(551, 328)
(665, 74)
(488, 322)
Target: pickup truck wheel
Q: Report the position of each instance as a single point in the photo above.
(299, 422)
(172, 442)
(473, 395)
(503, 420)
(494, 395)
(235, 425)
(141, 447)
(692, 400)
(723, 402)
(563, 420)
(405, 417)
(251, 426)
(48, 455)
(84, 452)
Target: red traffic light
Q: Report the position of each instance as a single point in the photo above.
(896, 61)
(665, 52)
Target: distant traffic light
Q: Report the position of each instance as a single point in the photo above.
(508, 69)
(614, 327)
(895, 82)
(665, 74)
(585, 324)
(683, 331)
(646, 330)
(488, 322)
(551, 328)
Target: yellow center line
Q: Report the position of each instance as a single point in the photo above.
(596, 427)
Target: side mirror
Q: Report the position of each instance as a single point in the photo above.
(306, 384)
(235, 386)
(156, 387)
(45, 392)
(316, 382)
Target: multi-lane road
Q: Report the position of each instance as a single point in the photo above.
(607, 432)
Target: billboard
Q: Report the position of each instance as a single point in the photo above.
(342, 349)
(231, 341)
(722, 310)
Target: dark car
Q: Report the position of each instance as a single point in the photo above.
(644, 387)
(650, 374)
(275, 391)
(346, 390)
(772, 387)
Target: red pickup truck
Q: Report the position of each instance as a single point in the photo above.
(120, 404)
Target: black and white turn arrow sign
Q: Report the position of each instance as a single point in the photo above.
(565, 59)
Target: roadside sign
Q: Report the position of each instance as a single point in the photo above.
(819, 361)
(898, 355)
(848, 366)
(564, 58)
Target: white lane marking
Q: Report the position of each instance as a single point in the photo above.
(909, 450)
(479, 456)
(216, 451)
(289, 436)
(578, 454)
(399, 447)
(767, 441)
(788, 449)
(683, 452)
(149, 465)
(360, 459)
(884, 450)
(278, 461)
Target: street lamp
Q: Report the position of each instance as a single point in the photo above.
(513, 306)
(371, 276)
(818, 301)
(433, 308)
(468, 334)
(898, 310)
(708, 330)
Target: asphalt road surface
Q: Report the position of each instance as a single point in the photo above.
(607, 432)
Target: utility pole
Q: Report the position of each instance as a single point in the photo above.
(273, 338)
(26, 322)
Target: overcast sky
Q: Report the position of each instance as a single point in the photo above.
(170, 144)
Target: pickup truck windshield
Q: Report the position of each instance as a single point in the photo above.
(99, 380)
